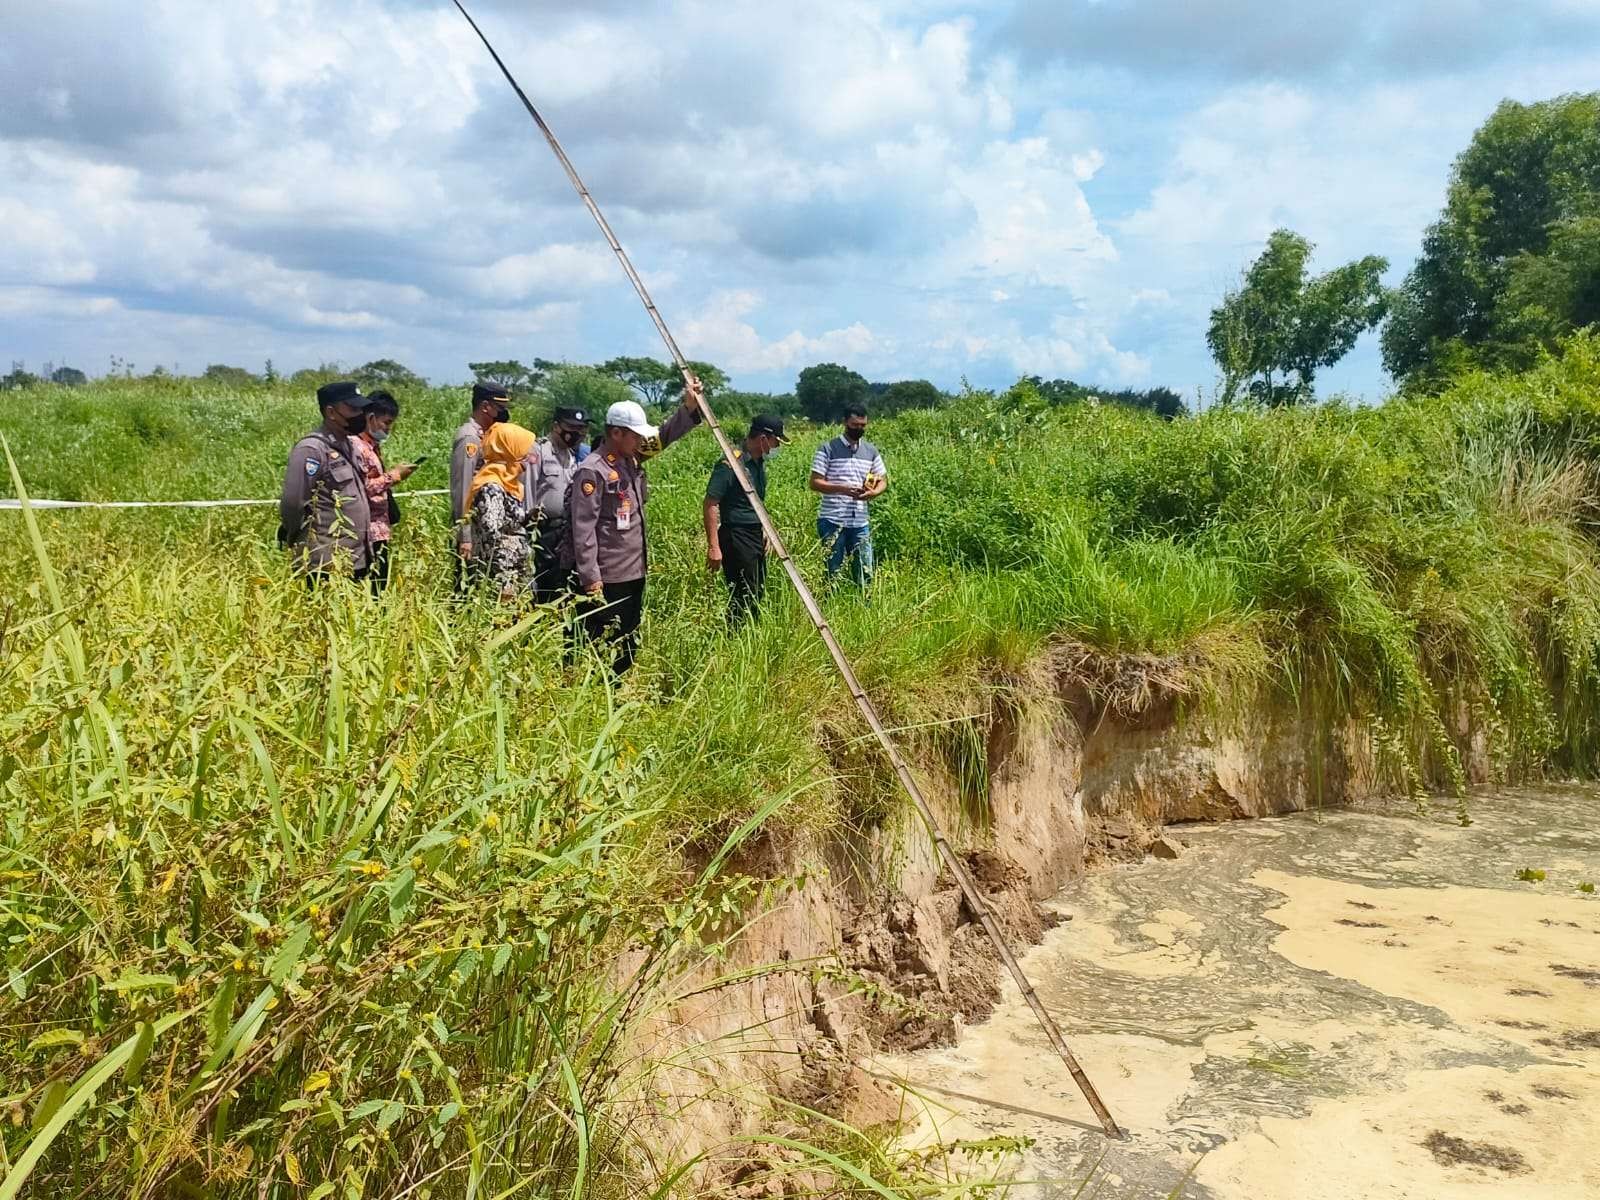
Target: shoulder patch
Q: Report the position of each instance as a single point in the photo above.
(588, 487)
(472, 449)
(312, 466)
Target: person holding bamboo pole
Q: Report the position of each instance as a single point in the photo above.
(605, 535)
(735, 543)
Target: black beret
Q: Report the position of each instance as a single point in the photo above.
(330, 394)
(488, 391)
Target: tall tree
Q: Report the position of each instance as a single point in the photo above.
(226, 376)
(507, 373)
(1510, 266)
(386, 373)
(827, 389)
(908, 393)
(68, 377)
(1274, 332)
(651, 378)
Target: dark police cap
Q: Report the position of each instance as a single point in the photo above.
(343, 390)
(766, 423)
(572, 416)
(482, 392)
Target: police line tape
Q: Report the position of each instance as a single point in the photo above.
(13, 503)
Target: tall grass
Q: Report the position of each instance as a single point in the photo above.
(325, 896)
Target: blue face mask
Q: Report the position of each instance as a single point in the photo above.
(378, 435)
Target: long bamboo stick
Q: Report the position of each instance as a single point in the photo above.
(969, 890)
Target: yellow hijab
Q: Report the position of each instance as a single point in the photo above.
(503, 449)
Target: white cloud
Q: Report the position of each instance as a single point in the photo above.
(891, 184)
(719, 333)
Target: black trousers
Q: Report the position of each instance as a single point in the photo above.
(550, 578)
(378, 566)
(611, 617)
(744, 566)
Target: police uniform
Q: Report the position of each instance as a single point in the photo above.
(545, 484)
(322, 511)
(605, 542)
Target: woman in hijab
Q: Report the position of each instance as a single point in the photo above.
(502, 550)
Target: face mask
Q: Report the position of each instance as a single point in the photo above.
(571, 437)
(356, 424)
(379, 435)
(502, 414)
(854, 435)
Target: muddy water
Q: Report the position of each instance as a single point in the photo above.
(1346, 1004)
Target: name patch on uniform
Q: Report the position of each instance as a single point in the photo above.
(312, 466)
(588, 487)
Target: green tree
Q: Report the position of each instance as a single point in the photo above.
(68, 377)
(649, 377)
(713, 380)
(507, 373)
(311, 378)
(20, 377)
(657, 382)
(827, 389)
(270, 374)
(907, 394)
(386, 373)
(1272, 334)
(592, 389)
(226, 376)
(1509, 267)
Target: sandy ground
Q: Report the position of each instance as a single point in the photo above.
(1272, 1017)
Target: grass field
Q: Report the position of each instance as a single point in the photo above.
(321, 891)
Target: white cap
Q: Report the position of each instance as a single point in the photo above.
(629, 414)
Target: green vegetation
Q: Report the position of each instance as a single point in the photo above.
(308, 887)
(1530, 875)
(1513, 263)
(1280, 323)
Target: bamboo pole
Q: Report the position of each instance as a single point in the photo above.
(969, 890)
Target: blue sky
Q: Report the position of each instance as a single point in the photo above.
(916, 188)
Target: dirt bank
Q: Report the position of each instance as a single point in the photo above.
(881, 952)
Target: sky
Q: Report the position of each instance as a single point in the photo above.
(914, 188)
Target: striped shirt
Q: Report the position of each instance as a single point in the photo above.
(842, 461)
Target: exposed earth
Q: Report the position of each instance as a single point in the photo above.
(1359, 1003)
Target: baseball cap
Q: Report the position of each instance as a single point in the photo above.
(343, 390)
(629, 414)
(767, 423)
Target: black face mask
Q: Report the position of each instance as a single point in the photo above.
(571, 437)
(854, 435)
(502, 414)
(356, 424)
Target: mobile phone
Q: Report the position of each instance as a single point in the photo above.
(420, 459)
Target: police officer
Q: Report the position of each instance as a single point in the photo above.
(605, 544)
(550, 469)
(322, 513)
(735, 542)
(488, 406)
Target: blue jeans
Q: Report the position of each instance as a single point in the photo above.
(847, 541)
